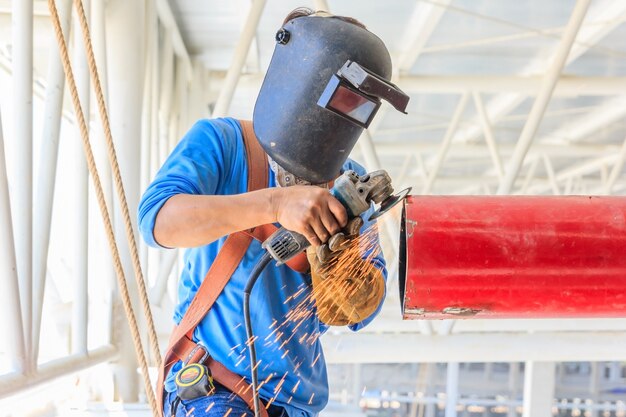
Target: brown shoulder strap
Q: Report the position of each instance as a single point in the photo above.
(256, 156)
(222, 268)
(214, 282)
(257, 179)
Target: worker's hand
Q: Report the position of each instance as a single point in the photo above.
(339, 241)
(309, 210)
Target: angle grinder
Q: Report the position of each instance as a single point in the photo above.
(355, 193)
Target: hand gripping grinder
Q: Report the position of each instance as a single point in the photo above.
(355, 193)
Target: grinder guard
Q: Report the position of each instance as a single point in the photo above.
(304, 138)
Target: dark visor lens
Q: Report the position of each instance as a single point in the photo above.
(352, 104)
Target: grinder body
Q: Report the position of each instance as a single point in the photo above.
(354, 192)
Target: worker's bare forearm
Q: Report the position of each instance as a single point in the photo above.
(194, 220)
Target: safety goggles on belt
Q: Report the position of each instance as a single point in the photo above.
(355, 94)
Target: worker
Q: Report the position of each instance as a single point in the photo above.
(202, 196)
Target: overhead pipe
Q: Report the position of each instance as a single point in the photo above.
(513, 257)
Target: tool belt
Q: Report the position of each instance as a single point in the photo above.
(181, 346)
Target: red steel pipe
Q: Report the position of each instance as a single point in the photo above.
(513, 257)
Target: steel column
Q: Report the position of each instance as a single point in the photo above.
(452, 388)
(125, 43)
(594, 384)
(184, 121)
(165, 98)
(154, 101)
(102, 263)
(9, 286)
(21, 145)
(98, 37)
(176, 112)
(81, 194)
(514, 371)
(544, 96)
(538, 389)
(155, 161)
(46, 180)
(241, 52)
(146, 114)
(357, 384)
(169, 22)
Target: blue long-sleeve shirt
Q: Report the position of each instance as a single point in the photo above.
(211, 160)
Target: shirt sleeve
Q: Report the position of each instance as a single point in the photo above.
(197, 165)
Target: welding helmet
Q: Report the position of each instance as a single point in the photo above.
(323, 86)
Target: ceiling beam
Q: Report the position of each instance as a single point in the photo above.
(227, 90)
(540, 105)
(585, 125)
(422, 24)
(445, 144)
(578, 169)
(479, 150)
(526, 85)
(389, 321)
(166, 17)
(567, 85)
(540, 185)
(582, 128)
(40, 8)
(611, 11)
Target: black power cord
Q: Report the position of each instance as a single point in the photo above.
(254, 276)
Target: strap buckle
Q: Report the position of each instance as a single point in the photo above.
(198, 354)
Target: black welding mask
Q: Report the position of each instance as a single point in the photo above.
(323, 87)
